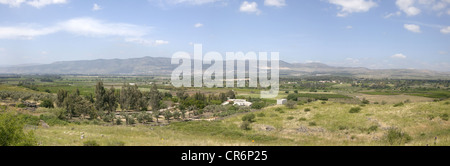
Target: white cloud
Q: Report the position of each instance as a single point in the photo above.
(93, 27)
(192, 2)
(399, 56)
(161, 42)
(12, 3)
(34, 3)
(43, 3)
(407, 7)
(349, 27)
(445, 30)
(96, 7)
(412, 27)
(393, 14)
(353, 6)
(250, 7)
(276, 3)
(146, 42)
(84, 27)
(198, 25)
(25, 33)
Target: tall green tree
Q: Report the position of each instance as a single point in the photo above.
(155, 98)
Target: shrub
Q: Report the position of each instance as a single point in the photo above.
(399, 104)
(118, 121)
(373, 128)
(258, 105)
(291, 104)
(290, 118)
(342, 127)
(395, 136)
(364, 101)
(245, 125)
(249, 118)
(47, 103)
(261, 115)
(116, 143)
(312, 124)
(302, 119)
(444, 117)
(355, 110)
(278, 109)
(383, 102)
(21, 105)
(107, 117)
(90, 143)
(11, 132)
(307, 109)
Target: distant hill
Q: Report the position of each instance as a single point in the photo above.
(163, 66)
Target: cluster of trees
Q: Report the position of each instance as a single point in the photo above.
(200, 100)
(106, 101)
(17, 95)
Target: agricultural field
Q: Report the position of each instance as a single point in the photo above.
(148, 111)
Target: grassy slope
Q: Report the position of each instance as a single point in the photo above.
(335, 126)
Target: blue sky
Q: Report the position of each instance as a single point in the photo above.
(356, 33)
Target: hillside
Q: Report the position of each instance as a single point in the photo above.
(163, 66)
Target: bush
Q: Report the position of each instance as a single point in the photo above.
(116, 143)
(355, 110)
(12, 133)
(108, 117)
(444, 117)
(399, 104)
(21, 105)
(307, 109)
(290, 118)
(47, 103)
(364, 101)
(302, 119)
(342, 127)
(246, 125)
(90, 143)
(258, 105)
(373, 128)
(395, 136)
(118, 121)
(261, 115)
(249, 118)
(312, 124)
(291, 104)
(278, 109)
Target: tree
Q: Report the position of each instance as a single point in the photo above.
(61, 95)
(167, 115)
(105, 99)
(291, 104)
(111, 100)
(47, 103)
(156, 114)
(11, 132)
(100, 97)
(231, 94)
(155, 98)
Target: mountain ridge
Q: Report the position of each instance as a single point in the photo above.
(162, 66)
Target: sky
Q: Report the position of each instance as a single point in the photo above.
(377, 34)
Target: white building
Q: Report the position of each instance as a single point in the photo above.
(239, 102)
(281, 101)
